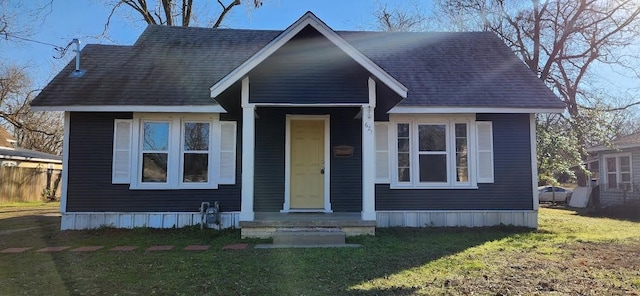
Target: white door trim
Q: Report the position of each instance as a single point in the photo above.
(287, 161)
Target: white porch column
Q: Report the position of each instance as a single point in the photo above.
(248, 154)
(368, 156)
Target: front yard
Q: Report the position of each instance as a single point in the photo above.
(569, 254)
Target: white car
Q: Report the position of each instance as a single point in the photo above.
(553, 193)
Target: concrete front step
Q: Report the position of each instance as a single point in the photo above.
(308, 236)
(266, 223)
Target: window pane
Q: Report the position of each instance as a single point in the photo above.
(462, 172)
(432, 137)
(196, 167)
(433, 168)
(625, 177)
(403, 145)
(156, 136)
(403, 175)
(613, 181)
(461, 130)
(403, 160)
(403, 130)
(461, 145)
(404, 168)
(196, 136)
(611, 164)
(154, 167)
(625, 164)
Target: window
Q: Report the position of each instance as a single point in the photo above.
(404, 156)
(195, 153)
(433, 154)
(155, 151)
(618, 172)
(436, 151)
(174, 151)
(462, 153)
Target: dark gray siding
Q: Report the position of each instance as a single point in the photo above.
(89, 169)
(512, 189)
(309, 69)
(346, 173)
(385, 100)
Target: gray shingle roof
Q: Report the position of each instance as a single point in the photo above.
(177, 66)
(19, 153)
(628, 141)
(473, 69)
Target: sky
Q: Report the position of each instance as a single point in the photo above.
(64, 20)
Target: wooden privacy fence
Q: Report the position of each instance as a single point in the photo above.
(28, 184)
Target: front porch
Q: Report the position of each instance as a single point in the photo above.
(265, 224)
(289, 164)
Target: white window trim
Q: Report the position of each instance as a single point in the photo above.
(617, 157)
(449, 121)
(175, 158)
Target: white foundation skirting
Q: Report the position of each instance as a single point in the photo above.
(456, 218)
(92, 220)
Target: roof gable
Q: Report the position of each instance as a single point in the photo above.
(308, 19)
(309, 68)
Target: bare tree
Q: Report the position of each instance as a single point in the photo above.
(40, 131)
(566, 43)
(563, 42)
(400, 19)
(176, 12)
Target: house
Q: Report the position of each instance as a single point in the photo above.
(12, 156)
(27, 175)
(381, 129)
(617, 166)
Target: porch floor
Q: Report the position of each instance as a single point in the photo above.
(266, 223)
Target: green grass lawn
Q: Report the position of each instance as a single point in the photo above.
(568, 254)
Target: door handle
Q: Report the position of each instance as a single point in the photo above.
(322, 171)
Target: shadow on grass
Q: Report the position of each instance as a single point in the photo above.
(627, 212)
(397, 250)
(330, 271)
(28, 222)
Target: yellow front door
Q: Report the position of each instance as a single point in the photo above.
(307, 164)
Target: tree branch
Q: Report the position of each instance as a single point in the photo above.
(225, 10)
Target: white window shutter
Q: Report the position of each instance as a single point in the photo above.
(484, 131)
(227, 152)
(121, 167)
(382, 153)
